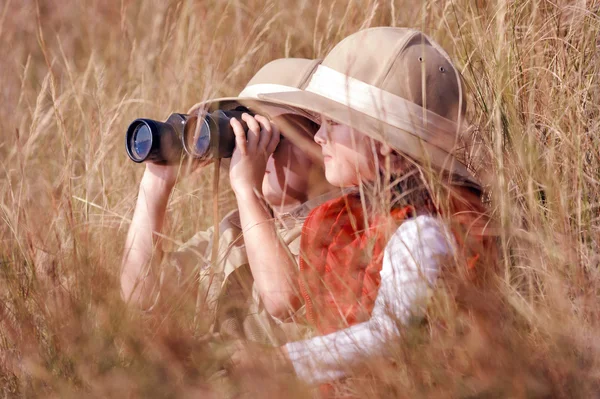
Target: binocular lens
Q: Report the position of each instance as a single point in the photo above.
(202, 140)
(197, 136)
(141, 141)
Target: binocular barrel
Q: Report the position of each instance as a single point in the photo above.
(204, 137)
(153, 141)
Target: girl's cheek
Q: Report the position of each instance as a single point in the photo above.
(270, 164)
(300, 159)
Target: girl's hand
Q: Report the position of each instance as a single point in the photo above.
(161, 174)
(162, 177)
(249, 159)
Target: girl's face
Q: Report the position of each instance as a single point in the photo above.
(349, 155)
(288, 172)
(286, 175)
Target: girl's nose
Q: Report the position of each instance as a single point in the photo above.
(321, 135)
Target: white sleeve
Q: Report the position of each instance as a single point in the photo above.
(411, 264)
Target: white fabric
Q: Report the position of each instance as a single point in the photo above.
(384, 106)
(264, 88)
(410, 267)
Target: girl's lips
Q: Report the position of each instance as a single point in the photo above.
(326, 158)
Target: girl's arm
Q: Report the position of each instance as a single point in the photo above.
(139, 277)
(410, 267)
(272, 266)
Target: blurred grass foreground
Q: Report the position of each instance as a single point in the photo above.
(74, 73)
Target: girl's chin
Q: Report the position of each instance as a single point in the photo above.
(337, 179)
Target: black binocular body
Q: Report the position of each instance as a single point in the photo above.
(204, 136)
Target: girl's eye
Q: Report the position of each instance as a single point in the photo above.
(331, 122)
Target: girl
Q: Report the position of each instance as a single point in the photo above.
(266, 167)
(391, 117)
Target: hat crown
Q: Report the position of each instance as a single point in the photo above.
(401, 61)
(290, 72)
(280, 75)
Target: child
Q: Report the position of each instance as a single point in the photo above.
(391, 116)
(266, 168)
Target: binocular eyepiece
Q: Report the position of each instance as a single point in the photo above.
(206, 136)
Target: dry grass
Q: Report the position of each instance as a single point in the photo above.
(75, 72)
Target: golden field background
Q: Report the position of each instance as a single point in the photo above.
(74, 73)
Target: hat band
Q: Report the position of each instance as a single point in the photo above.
(384, 106)
(265, 88)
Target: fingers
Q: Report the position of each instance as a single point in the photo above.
(262, 135)
(275, 138)
(253, 131)
(265, 133)
(240, 135)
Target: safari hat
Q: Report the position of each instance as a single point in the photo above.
(397, 86)
(281, 75)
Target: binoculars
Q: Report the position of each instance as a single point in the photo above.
(205, 136)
